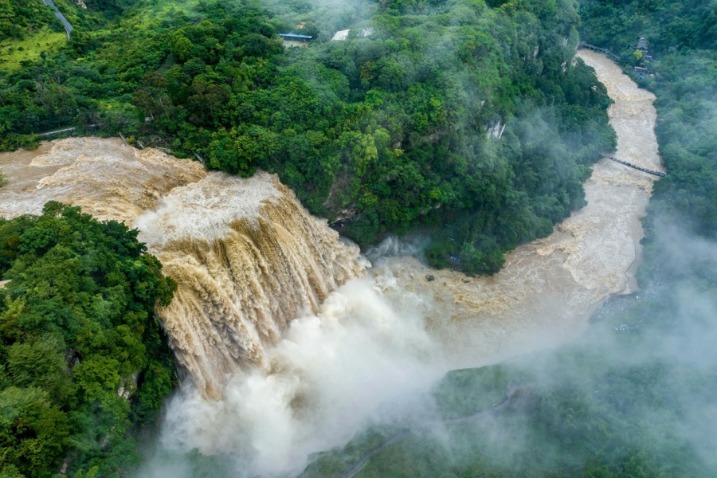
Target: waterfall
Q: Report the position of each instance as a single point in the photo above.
(247, 257)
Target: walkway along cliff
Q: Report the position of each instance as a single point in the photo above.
(61, 18)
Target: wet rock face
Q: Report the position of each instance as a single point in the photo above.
(247, 257)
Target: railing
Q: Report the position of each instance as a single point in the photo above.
(57, 131)
(639, 168)
(604, 51)
(65, 24)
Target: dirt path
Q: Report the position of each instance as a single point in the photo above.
(496, 407)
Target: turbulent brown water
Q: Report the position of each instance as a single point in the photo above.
(548, 288)
(247, 257)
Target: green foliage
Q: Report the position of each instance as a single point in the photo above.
(82, 363)
(17, 18)
(667, 25)
(32, 47)
(34, 432)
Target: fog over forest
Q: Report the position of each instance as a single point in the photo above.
(192, 317)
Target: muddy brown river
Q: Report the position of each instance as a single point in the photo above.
(548, 288)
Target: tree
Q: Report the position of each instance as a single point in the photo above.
(79, 341)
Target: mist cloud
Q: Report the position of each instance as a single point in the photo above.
(361, 360)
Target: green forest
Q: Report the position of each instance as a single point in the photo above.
(451, 118)
(634, 398)
(83, 362)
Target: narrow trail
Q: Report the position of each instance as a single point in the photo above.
(58, 14)
(57, 131)
(365, 459)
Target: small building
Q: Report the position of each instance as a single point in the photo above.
(640, 71)
(642, 44)
(295, 40)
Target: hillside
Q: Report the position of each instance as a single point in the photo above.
(83, 362)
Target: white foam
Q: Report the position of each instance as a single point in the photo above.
(204, 210)
(332, 374)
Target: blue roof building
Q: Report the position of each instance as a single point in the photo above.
(295, 36)
(295, 39)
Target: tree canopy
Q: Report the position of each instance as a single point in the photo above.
(82, 359)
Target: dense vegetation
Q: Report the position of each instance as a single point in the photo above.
(19, 18)
(82, 360)
(635, 397)
(467, 120)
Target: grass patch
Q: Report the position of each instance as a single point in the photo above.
(149, 14)
(13, 53)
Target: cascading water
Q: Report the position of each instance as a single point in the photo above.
(248, 260)
(247, 257)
